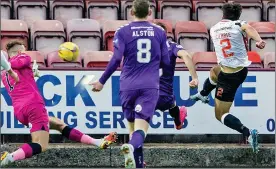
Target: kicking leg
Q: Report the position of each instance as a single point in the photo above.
(77, 136)
(209, 85)
(222, 114)
(222, 109)
(227, 86)
(179, 114)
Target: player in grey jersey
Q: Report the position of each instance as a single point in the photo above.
(230, 46)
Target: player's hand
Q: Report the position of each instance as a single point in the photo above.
(194, 83)
(97, 86)
(35, 69)
(36, 72)
(261, 44)
(14, 75)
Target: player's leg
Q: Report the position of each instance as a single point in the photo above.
(138, 151)
(209, 85)
(225, 93)
(130, 128)
(37, 116)
(39, 144)
(144, 109)
(179, 114)
(128, 102)
(77, 136)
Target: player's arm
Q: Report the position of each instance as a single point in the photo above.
(4, 63)
(179, 51)
(119, 48)
(189, 63)
(20, 62)
(252, 33)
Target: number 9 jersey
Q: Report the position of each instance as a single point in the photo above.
(230, 43)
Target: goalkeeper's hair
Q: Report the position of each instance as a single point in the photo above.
(12, 44)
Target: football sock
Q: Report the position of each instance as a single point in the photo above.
(208, 86)
(174, 112)
(139, 158)
(234, 123)
(76, 135)
(26, 151)
(137, 139)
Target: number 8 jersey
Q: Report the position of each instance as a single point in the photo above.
(144, 47)
(230, 43)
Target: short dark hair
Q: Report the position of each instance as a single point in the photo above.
(162, 25)
(11, 44)
(232, 11)
(141, 8)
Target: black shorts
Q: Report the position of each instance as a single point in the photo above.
(228, 83)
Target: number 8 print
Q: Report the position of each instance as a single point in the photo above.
(145, 50)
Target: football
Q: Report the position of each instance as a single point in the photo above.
(68, 51)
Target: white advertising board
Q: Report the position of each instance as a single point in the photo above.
(99, 113)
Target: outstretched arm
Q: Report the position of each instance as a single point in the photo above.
(119, 48)
(4, 63)
(252, 33)
(21, 61)
(189, 63)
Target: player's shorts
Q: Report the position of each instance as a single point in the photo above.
(36, 115)
(165, 102)
(228, 83)
(139, 104)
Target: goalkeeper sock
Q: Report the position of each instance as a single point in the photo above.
(76, 135)
(26, 151)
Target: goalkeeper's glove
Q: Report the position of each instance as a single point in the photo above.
(35, 69)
